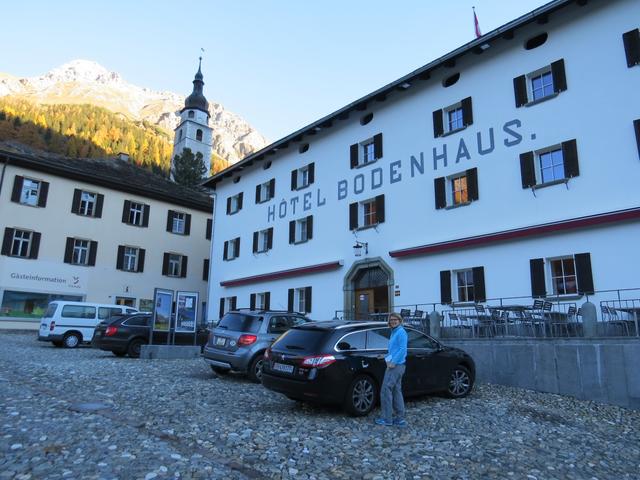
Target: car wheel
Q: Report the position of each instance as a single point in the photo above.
(58, 344)
(460, 382)
(255, 369)
(362, 395)
(219, 370)
(71, 340)
(119, 354)
(134, 348)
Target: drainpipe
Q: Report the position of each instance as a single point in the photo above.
(4, 167)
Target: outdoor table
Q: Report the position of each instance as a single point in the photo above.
(635, 312)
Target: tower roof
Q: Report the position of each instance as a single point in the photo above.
(197, 99)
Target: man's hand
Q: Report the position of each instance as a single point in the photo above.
(391, 365)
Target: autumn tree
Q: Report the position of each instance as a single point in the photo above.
(188, 169)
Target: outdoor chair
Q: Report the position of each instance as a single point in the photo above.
(610, 317)
(405, 312)
(461, 322)
(502, 321)
(563, 321)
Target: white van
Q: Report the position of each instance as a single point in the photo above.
(67, 324)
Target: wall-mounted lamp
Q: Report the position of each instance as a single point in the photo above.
(357, 248)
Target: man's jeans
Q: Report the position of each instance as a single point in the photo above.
(391, 393)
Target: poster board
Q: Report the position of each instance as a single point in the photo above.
(186, 311)
(162, 306)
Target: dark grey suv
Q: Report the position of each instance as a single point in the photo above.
(239, 340)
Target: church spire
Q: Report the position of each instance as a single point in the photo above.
(197, 99)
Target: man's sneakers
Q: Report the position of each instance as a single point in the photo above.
(397, 422)
(382, 421)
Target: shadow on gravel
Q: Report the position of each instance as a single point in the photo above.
(540, 415)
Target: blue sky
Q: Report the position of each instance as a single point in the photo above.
(280, 64)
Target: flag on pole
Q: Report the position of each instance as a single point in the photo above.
(476, 25)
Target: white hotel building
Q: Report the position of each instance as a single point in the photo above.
(507, 168)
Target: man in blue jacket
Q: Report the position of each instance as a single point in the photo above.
(391, 400)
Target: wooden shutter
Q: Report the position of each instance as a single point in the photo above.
(270, 238)
(126, 209)
(292, 231)
(228, 212)
(445, 287)
(99, 204)
(520, 90)
(267, 300)
(252, 301)
(631, 40)
(120, 258)
(207, 234)
(559, 77)
(226, 250)
(353, 152)
(18, 181)
(93, 251)
(145, 216)
(377, 145)
(380, 208)
(290, 298)
(170, 215)
(240, 195)
(312, 173)
(636, 126)
(255, 241)
(309, 227)
(7, 240)
(353, 216)
(68, 250)
(165, 264)
(440, 192)
(187, 223)
(35, 245)
(43, 193)
(527, 170)
(141, 253)
(272, 188)
(237, 252)
(221, 312)
(75, 203)
(257, 193)
(467, 112)
(472, 184)
(307, 300)
(478, 284)
(538, 288)
(205, 270)
(294, 179)
(438, 126)
(584, 274)
(183, 269)
(570, 159)
(234, 303)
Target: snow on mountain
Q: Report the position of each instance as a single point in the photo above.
(84, 81)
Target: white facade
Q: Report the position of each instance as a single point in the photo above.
(60, 269)
(189, 131)
(417, 241)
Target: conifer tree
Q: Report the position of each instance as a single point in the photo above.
(188, 168)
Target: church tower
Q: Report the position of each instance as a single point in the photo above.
(193, 131)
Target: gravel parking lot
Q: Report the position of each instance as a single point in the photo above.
(175, 419)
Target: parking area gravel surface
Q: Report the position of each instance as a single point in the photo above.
(85, 414)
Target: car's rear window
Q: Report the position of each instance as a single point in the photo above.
(238, 322)
(298, 340)
(51, 310)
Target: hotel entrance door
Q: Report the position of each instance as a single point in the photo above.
(371, 293)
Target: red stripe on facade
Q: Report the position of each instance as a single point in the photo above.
(293, 272)
(574, 223)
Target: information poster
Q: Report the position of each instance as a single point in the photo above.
(163, 301)
(186, 311)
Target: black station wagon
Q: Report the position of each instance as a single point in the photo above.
(342, 362)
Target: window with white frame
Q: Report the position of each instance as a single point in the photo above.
(131, 255)
(263, 241)
(563, 275)
(368, 152)
(88, 204)
(21, 243)
(300, 296)
(464, 285)
(454, 118)
(459, 190)
(136, 213)
(551, 165)
(175, 265)
(179, 220)
(229, 303)
(30, 192)
(80, 254)
(456, 190)
(234, 203)
(369, 213)
(543, 83)
(264, 192)
(261, 301)
(231, 249)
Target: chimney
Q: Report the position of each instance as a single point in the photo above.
(123, 157)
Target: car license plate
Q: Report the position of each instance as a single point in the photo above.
(281, 367)
(221, 341)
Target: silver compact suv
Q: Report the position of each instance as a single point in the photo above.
(238, 341)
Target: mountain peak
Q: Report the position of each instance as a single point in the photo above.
(82, 71)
